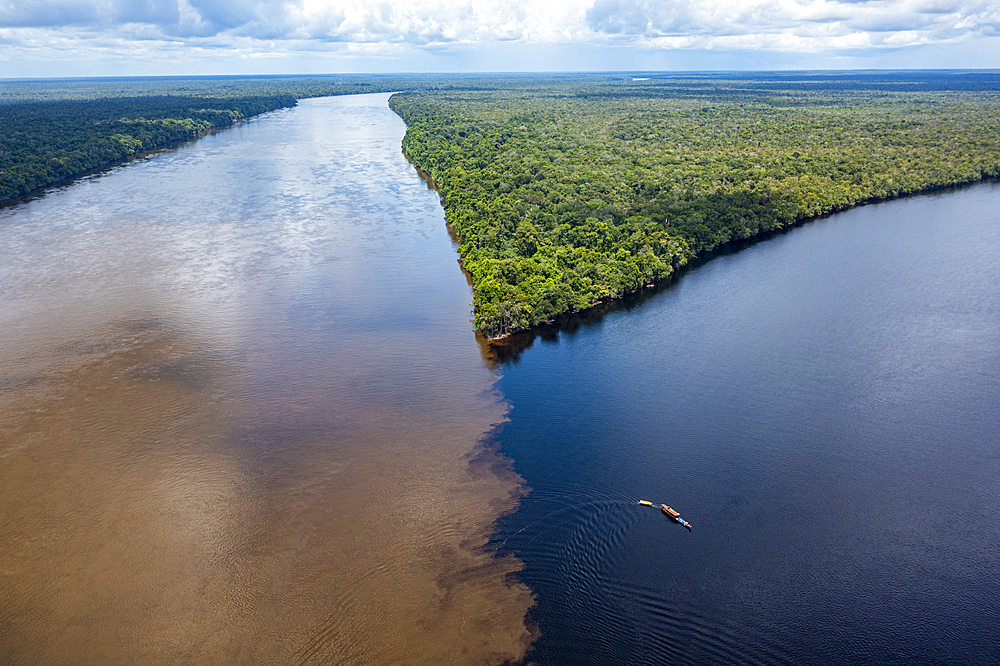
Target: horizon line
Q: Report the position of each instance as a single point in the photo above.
(957, 70)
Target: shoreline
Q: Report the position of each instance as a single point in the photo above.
(103, 167)
(730, 247)
(696, 260)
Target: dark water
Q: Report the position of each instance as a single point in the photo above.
(241, 408)
(823, 407)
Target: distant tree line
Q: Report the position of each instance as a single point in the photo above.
(45, 142)
(53, 130)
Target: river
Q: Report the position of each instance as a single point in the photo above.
(823, 407)
(244, 419)
(242, 411)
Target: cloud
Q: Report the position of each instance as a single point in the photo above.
(416, 22)
(796, 25)
(402, 28)
(58, 13)
(642, 17)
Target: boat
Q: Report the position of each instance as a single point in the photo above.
(669, 513)
(674, 516)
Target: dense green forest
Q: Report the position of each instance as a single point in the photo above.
(45, 142)
(300, 87)
(568, 191)
(55, 129)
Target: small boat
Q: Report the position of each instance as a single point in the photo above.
(669, 513)
(674, 516)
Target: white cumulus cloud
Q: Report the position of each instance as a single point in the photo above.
(55, 29)
(812, 25)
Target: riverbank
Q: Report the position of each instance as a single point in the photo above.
(576, 194)
(527, 334)
(512, 344)
(45, 144)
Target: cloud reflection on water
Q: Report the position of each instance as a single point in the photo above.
(244, 411)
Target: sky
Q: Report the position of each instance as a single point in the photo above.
(54, 38)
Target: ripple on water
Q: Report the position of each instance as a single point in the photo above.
(243, 412)
(577, 545)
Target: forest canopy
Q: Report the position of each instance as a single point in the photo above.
(45, 142)
(55, 129)
(579, 190)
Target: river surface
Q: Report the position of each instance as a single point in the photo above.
(244, 419)
(823, 407)
(242, 410)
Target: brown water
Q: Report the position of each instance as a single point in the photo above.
(242, 411)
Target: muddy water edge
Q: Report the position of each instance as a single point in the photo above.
(243, 414)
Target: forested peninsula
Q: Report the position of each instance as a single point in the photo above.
(572, 190)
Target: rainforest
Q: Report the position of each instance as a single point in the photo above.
(573, 190)
(54, 130)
